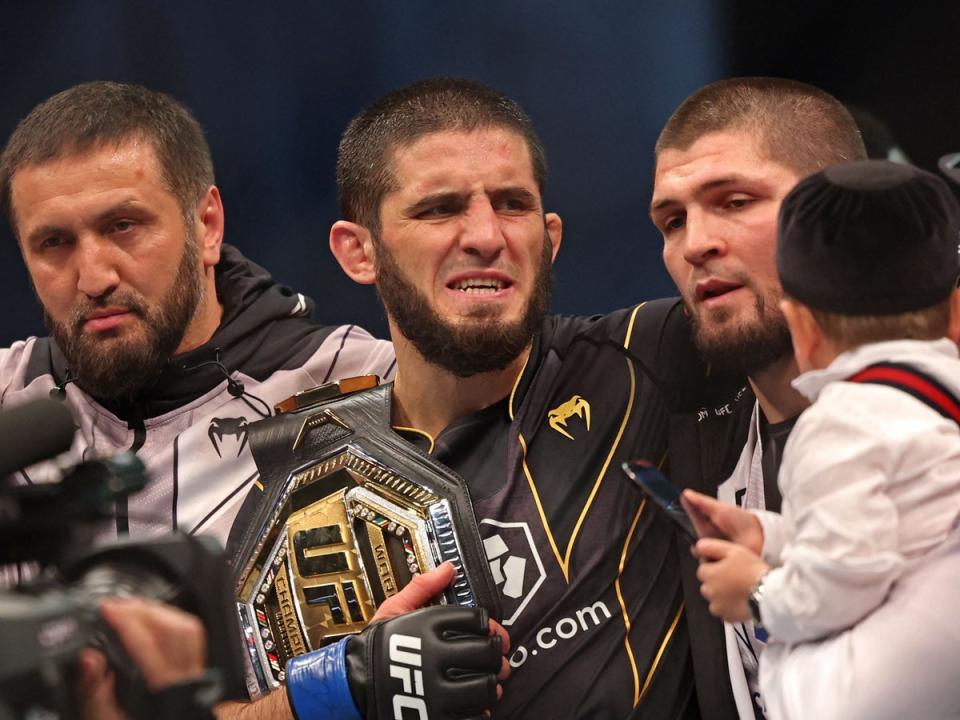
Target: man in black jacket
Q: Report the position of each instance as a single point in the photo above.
(724, 161)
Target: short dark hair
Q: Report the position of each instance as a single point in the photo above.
(801, 126)
(402, 117)
(850, 331)
(94, 114)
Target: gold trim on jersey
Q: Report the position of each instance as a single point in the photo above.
(639, 692)
(663, 647)
(427, 435)
(633, 316)
(603, 470)
(536, 499)
(516, 384)
(564, 562)
(623, 605)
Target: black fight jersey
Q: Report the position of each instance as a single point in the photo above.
(586, 568)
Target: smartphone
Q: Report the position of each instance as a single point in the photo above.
(663, 492)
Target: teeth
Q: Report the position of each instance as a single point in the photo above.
(479, 285)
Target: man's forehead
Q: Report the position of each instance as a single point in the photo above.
(729, 146)
(715, 159)
(455, 154)
(134, 150)
(101, 175)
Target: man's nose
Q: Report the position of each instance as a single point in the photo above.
(96, 267)
(482, 234)
(703, 238)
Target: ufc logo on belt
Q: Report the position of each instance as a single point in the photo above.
(405, 664)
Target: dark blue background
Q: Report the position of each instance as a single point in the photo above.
(274, 84)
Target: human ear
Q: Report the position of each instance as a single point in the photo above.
(953, 329)
(210, 224)
(352, 246)
(804, 331)
(554, 228)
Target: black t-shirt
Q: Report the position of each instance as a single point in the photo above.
(586, 568)
(773, 438)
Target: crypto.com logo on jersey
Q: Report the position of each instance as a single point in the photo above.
(514, 563)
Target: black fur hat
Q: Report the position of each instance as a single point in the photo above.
(869, 238)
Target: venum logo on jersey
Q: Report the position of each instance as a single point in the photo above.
(226, 432)
(575, 406)
(514, 563)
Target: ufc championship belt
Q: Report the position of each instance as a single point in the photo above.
(349, 514)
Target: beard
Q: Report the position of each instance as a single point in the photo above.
(117, 365)
(479, 342)
(747, 347)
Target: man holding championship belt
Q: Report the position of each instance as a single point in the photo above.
(349, 514)
(441, 193)
(164, 340)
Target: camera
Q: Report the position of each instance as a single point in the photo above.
(47, 620)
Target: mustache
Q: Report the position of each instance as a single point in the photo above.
(740, 278)
(115, 298)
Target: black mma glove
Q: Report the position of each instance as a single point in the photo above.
(438, 662)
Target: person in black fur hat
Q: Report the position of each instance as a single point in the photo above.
(867, 256)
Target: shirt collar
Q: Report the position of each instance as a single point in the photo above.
(918, 352)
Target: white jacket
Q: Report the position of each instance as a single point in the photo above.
(871, 485)
(187, 428)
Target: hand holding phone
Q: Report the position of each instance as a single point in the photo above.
(663, 492)
(715, 519)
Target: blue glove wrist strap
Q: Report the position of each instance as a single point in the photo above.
(317, 685)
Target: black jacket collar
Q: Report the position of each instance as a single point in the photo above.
(250, 300)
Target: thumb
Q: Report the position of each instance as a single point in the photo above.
(701, 509)
(700, 502)
(421, 590)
